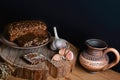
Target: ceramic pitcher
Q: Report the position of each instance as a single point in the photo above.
(95, 57)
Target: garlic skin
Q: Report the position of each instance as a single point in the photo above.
(62, 51)
(58, 43)
(69, 55)
(63, 54)
(57, 57)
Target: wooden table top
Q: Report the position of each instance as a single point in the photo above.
(80, 74)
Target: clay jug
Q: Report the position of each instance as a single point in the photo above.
(95, 57)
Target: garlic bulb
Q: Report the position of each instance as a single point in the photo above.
(58, 43)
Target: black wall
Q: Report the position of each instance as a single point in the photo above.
(76, 20)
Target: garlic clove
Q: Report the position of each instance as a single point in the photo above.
(69, 55)
(57, 57)
(66, 51)
(62, 51)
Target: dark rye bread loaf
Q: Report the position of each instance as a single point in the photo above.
(18, 29)
(27, 33)
(30, 40)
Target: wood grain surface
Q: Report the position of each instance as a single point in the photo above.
(80, 74)
(22, 69)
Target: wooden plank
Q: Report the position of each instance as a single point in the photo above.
(110, 75)
(80, 74)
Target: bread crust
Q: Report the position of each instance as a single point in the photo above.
(18, 29)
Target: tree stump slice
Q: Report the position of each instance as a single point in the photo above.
(41, 71)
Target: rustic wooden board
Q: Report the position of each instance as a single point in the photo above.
(25, 70)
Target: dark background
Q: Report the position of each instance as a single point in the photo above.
(76, 20)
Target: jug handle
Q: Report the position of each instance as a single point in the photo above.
(113, 63)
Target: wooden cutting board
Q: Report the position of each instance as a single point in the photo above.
(41, 71)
